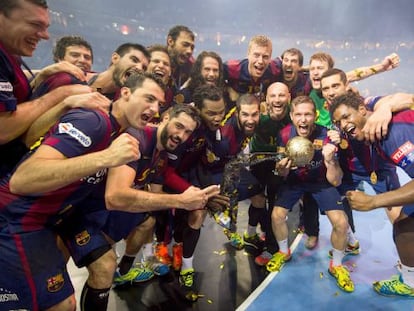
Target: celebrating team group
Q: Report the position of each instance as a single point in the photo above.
(140, 152)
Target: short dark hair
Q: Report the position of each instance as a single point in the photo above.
(206, 91)
(175, 31)
(157, 48)
(294, 51)
(136, 80)
(7, 6)
(190, 110)
(61, 45)
(349, 99)
(335, 71)
(247, 99)
(126, 47)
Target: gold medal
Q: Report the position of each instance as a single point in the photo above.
(373, 177)
(179, 98)
(343, 144)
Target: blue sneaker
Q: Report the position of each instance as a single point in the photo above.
(156, 266)
(393, 287)
(134, 275)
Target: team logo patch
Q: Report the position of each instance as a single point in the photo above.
(55, 283)
(404, 154)
(69, 129)
(317, 144)
(82, 238)
(6, 87)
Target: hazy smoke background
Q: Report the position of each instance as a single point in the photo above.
(354, 32)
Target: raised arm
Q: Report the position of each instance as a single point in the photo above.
(388, 63)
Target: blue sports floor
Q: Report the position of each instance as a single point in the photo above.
(304, 282)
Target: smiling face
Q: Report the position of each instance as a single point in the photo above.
(316, 69)
(350, 121)
(210, 70)
(259, 57)
(79, 56)
(181, 49)
(23, 28)
(176, 130)
(248, 117)
(142, 104)
(290, 66)
(212, 113)
(160, 65)
(303, 118)
(131, 62)
(332, 87)
(277, 100)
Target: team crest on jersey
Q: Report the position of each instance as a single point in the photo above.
(69, 129)
(317, 144)
(55, 283)
(82, 238)
(6, 87)
(404, 155)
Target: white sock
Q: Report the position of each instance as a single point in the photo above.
(147, 250)
(187, 263)
(283, 246)
(251, 230)
(408, 275)
(351, 237)
(337, 257)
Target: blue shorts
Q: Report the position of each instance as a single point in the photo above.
(386, 182)
(120, 224)
(82, 233)
(326, 196)
(33, 271)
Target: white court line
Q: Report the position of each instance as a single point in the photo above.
(267, 280)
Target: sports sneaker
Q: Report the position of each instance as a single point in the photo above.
(277, 261)
(351, 249)
(343, 280)
(187, 277)
(236, 240)
(161, 252)
(177, 260)
(134, 275)
(253, 241)
(393, 287)
(263, 258)
(155, 265)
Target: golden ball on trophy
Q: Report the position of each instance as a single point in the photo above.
(300, 151)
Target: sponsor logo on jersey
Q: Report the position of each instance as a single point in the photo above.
(403, 152)
(6, 87)
(6, 296)
(69, 129)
